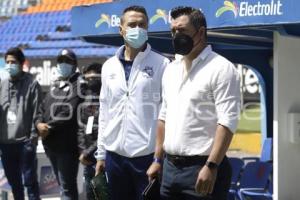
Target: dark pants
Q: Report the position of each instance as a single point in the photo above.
(65, 166)
(179, 180)
(89, 173)
(127, 176)
(20, 159)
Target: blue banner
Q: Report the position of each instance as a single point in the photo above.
(104, 19)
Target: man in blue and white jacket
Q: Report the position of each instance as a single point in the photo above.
(130, 99)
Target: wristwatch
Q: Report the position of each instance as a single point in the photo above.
(211, 165)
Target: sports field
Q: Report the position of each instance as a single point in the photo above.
(247, 137)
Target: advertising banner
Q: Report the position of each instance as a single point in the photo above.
(104, 19)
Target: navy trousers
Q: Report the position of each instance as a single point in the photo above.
(127, 177)
(20, 160)
(179, 180)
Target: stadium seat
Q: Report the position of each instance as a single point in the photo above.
(36, 30)
(60, 36)
(258, 194)
(54, 5)
(237, 165)
(255, 175)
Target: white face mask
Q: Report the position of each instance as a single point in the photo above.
(12, 69)
(136, 37)
(64, 69)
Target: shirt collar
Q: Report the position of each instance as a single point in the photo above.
(120, 53)
(203, 55)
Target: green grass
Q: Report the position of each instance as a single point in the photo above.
(250, 120)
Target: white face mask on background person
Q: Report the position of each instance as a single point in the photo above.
(12, 69)
(64, 70)
(136, 37)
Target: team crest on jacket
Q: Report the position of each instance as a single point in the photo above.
(148, 71)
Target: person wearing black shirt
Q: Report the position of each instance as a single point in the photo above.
(88, 131)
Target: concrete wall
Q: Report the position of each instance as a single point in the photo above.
(286, 99)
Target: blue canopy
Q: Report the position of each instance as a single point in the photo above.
(241, 30)
(258, 18)
(103, 19)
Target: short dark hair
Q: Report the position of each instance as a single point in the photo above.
(136, 8)
(196, 17)
(97, 67)
(17, 53)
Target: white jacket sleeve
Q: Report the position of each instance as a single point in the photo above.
(103, 119)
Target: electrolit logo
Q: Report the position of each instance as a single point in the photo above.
(228, 6)
(160, 14)
(111, 21)
(247, 9)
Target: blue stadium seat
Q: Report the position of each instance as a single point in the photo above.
(60, 35)
(29, 28)
(59, 44)
(255, 175)
(237, 165)
(258, 194)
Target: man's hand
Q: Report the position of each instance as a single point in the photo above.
(153, 170)
(206, 180)
(100, 166)
(43, 130)
(83, 160)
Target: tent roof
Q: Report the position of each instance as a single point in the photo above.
(239, 24)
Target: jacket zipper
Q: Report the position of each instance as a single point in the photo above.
(124, 128)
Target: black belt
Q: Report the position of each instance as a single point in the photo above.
(186, 160)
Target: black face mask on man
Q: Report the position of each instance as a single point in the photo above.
(183, 44)
(94, 85)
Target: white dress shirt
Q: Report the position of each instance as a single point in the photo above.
(193, 106)
(129, 110)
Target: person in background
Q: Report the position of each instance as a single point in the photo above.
(20, 96)
(57, 124)
(88, 131)
(204, 88)
(129, 103)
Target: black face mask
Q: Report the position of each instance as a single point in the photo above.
(94, 85)
(183, 44)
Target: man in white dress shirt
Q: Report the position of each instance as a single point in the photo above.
(199, 114)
